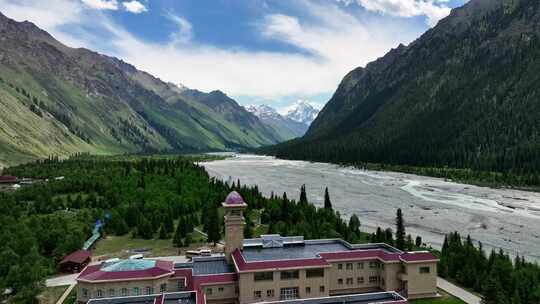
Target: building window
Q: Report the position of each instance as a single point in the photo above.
(382, 281)
(289, 293)
(208, 291)
(339, 266)
(220, 289)
(163, 287)
(424, 269)
(348, 266)
(360, 280)
(321, 289)
(124, 292)
(111, 292)
(257, 294)
(290, 275)
(270, 293)
(382, 265)
(373, 264)
(349, 281)
(340, 281)
(149, 290)
(373, 279)
(264, 276)
(99, 293)
(308, 290)
(135, 291)
(85, 293)
(236, 290)
(360, 265)
(315, 273)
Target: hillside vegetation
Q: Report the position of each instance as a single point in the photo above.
(59, 100)
(136, 197)
(464, 95)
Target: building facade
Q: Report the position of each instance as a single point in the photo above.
(271, 268)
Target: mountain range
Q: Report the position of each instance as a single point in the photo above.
(56, 100)
(463, 95)
(291, 125)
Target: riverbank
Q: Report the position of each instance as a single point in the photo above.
(433, 207)
(496, 180)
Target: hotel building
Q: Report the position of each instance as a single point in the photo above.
(268, 269)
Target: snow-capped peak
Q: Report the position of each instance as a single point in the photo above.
(263, 111)
(302, 111)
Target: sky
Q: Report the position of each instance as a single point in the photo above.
(257, 51)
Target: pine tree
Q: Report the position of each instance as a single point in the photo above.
(354, 224)
(516, 299)
(177, 239)
(379, 236)
(162, 232)
(327, 202)
(182, 226)
(285, 212)
(144, 228)
(188, 240)
(168, 222)
(389, 236)
(493, 292)
(400, 231)
(303, 195)
(213, 225)
(409, 243)
(418, 241)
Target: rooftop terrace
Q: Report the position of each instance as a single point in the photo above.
(211, 265)
(290, 248)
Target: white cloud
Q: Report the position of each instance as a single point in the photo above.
(333, 42)
(102, 4)
(434, 10)
(46, 14)
(135, 7)
(184, 32)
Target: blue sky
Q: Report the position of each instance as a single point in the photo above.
(257, 51)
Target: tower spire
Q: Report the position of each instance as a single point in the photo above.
(234, 206)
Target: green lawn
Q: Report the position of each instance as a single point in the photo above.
(119, 246)
(50, 295)
(444, 299)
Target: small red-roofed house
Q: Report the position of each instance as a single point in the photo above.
(8, 179)
(75, 261)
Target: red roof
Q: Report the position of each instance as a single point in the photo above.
(198, 281)
(423, 256)
(94, 273)
(242, 265)
(214, 278)
(79, 257)
(185, 273)
(7, 178)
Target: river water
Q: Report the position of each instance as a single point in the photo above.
(432, 207)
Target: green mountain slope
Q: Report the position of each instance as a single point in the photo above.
(59, 100)
(465, 94)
